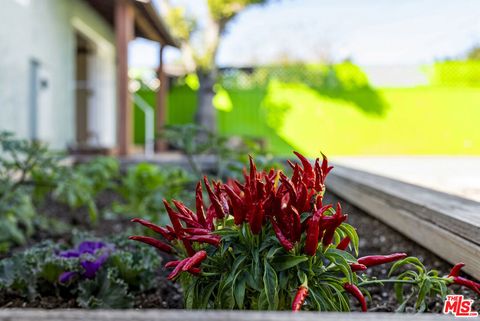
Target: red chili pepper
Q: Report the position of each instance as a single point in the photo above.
(178, 269)
(381, 259)
(153, 242)
(158, 229)
(214, 199)
(337, 220)
(177, 226)
(355, 291)
(183, 209)
(325, 168)
(289, 185)
(221, 197)
(313, 230)
(309, 175)
(253, 173)
(296, 224)
(210, 239)
(297, 173)
(194, 271)
(300, 297)
(211, 214)
(455, 271)
(292, 165)
(199, 204)
(357, 267)
(195, 260)
(474, 286)
(257, 214)
(196, 231)
(343, 243)
(287, 245)
(172, 264)
(311, 242)
(238, 208)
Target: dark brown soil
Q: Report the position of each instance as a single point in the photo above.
(378, 238)
(165, 295)
(375, 238)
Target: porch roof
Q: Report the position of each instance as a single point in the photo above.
(148, 23)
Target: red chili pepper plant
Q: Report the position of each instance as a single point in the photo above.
(269, 243)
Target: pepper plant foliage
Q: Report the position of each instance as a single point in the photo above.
(270, 243)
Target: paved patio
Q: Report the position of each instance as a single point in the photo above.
(450, 174)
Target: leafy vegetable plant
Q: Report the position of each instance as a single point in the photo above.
(95, 273)
(145, 185)
(29, 171)
(270, 243)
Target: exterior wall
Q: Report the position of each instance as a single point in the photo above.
(44, 32)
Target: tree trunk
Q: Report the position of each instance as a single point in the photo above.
(206, 113)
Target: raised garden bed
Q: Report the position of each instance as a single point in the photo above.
(182, 315)
(375, 237)
(445, 224)
(269, 218)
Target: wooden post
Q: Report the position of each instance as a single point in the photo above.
(161, 103)
(124, 31)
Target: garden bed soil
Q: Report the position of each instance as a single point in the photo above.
(375, 238)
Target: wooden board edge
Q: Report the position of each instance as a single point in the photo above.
(445, 244)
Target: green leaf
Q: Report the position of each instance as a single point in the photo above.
(285, 262)
(403, 305)
(226, 232)
(425, 287)
(189, 295)
(205, 295)
(399, 292)
(352, 234)
(239, 286)
(262, 301)
(106, 291)
(409, 260)
(340, 262)
(270, 283)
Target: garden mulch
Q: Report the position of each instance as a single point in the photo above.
(375, 238)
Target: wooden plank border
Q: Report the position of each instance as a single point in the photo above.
(184, 315)
(447, 225)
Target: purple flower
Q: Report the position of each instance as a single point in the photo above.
(92, 255)
(66, 276)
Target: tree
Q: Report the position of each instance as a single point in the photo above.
(474, 53)
(199, 56)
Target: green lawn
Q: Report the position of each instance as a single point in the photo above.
(421, 120)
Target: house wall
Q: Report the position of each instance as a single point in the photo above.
(44, 32)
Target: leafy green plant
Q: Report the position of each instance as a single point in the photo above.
(18, 160)
(270, 243)
(41, 271)
(144, 186)
(193, 141)
(29, 171)
(79, 185)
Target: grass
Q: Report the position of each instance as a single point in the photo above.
(415, 121)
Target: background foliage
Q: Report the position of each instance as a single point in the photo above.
(350, 116)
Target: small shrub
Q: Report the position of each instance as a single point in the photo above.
(270, 243)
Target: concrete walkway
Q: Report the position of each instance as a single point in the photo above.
(450, 174)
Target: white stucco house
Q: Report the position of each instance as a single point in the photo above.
(64, 65)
